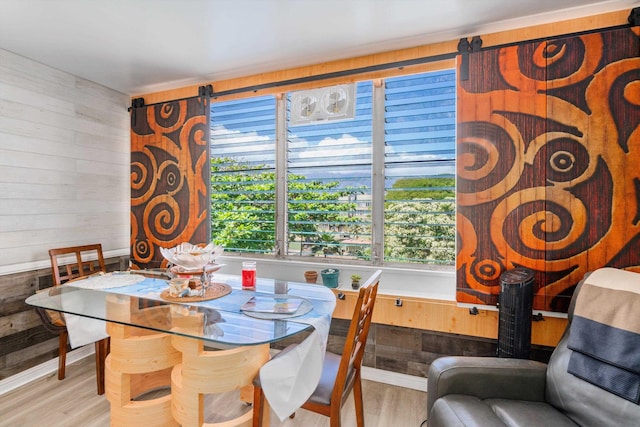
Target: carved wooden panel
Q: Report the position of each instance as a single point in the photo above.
(549, 164)
(169, 178)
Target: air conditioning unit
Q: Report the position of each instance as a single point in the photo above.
(323, 104)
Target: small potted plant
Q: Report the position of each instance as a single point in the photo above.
(330, 277)
(355, 281)
(311, 276)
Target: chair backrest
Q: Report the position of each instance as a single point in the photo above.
(584, 403)
(356, 340)
(76, 261)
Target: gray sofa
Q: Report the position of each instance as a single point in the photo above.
(486, 391)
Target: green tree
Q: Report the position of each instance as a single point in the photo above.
(243, 215)
(243, 207)
(419, 224)
(420, 232)
(422, 188)
(314, 209)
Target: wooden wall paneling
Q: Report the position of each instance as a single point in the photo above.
(23, 340)
(62, 136)
(553, 29)
(445, 316)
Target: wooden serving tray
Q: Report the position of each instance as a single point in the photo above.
(215, 290)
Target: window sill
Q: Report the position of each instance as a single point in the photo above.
(396, 281)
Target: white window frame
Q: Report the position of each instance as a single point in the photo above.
(377, 191)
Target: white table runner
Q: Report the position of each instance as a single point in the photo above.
(83, 330)
(288, 381)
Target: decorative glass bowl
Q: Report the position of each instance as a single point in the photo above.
(192, 257)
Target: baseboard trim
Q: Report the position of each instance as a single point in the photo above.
(394, 378)
(43, 369)
(46, 368)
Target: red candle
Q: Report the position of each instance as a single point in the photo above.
(249, 275)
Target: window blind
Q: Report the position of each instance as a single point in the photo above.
(419, 210)
(329, 179)
(243, 135)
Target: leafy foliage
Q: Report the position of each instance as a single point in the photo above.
(243, 207)
(243, 215)
(422, 188)
(420, 232)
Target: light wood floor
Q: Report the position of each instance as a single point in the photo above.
(74, 402)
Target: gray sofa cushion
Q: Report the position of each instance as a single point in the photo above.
(522, 413)
(459, 410)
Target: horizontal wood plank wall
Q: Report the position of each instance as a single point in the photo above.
(445, 316)
(64, 162)
(411, 351)
(528, 33)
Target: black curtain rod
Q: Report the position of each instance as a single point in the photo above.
(202, 91)
(416, 61)
(343, 73)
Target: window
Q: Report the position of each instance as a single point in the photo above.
(329, 179)
(419, 209)
(376, 188)
(243, 196)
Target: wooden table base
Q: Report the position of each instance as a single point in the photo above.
(140, 361)
(136, 365)
(202, 372)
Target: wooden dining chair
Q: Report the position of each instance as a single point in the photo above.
(67, 264)
(340, 373)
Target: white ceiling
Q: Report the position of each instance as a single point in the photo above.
(143, 46)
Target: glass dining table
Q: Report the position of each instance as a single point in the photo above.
(195, 345)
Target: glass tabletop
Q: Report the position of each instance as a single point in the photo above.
(220, 321)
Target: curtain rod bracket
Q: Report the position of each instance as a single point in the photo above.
(634, 17)
(476, 44)
(136, 103)
(464, 48)
(206, 91)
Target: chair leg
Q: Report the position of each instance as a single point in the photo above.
(62, 354)
(102, 349)
(335, 416)
(357, 395)
(334, 419)
(258, 406)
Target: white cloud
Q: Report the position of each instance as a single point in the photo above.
(233, 142)
(347, 144)
(235, 136)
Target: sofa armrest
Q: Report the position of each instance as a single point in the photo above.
(486, 377)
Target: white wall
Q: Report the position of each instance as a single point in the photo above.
(64, 163)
